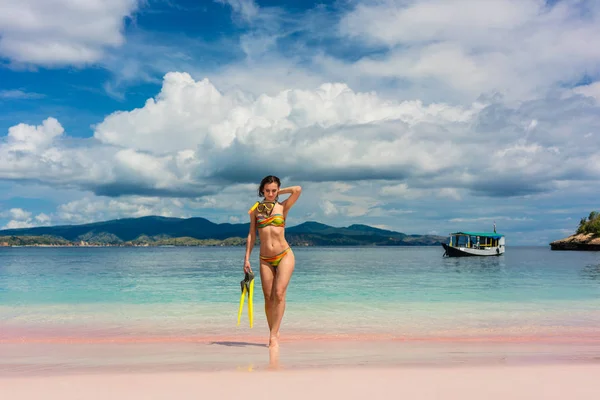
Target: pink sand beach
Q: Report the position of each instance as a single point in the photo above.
(414, 350)
(351, 367)
(473, 382)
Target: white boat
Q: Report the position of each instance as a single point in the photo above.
(465, 244)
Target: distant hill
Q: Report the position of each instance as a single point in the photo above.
(154, 230)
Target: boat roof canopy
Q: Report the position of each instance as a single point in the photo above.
(492, 235)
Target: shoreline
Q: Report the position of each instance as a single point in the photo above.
(577, 242)
(578, 336)
(213, 245)
(51, 358)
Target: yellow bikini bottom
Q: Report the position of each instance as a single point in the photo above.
(276, 259)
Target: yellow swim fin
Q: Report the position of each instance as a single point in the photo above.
(242, 298)
(251, 302)
(247, 286)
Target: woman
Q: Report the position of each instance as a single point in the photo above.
(276, 257)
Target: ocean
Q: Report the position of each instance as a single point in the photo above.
(177, 307)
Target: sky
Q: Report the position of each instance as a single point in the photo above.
(420, 116)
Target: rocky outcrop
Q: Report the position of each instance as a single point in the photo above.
(581, 241)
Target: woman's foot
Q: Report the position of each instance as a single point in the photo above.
(274, 340)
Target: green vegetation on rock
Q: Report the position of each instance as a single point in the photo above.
(45, 240)
(591, 224)
(185, 241)
(100, 238)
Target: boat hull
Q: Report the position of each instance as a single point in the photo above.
(468, 252)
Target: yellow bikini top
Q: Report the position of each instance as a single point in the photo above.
(264, 221)
(275, 220)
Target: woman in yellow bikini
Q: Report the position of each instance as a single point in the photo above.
(276, 257)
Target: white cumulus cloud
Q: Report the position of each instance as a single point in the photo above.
(61, 32)
(517, 47)
(591, 90)
(27, 138)
(192, 139)
(19, 218)
(92, 209)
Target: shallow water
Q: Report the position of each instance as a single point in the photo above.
(375, 296)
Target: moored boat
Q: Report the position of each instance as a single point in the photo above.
(465, 244)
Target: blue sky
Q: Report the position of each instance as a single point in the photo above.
(422, 116)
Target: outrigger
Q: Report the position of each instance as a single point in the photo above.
(465, 244)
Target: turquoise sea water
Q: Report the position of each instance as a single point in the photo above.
(68, 309)
(400, 291)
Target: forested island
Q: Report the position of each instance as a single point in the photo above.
(162, 231)
(587, 236)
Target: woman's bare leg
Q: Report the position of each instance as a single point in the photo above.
(278, 292)
(267, 277)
